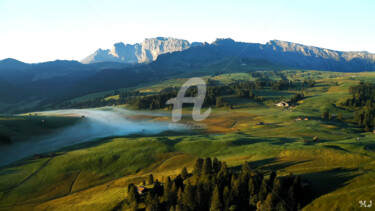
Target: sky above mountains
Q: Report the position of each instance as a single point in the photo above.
(41, 30)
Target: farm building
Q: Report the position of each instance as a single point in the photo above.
(142, 190)
(282, 104)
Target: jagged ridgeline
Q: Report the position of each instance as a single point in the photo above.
(146, 51)
(213, 186)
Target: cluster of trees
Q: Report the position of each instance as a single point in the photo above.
(308, 83)
(258, 74)
(212, 186)
(328, 115)
(282, 85)
(213, 91)
(124, 98)
(299, 96)
(362, 102)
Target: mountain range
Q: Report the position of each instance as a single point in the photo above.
(161, 58)
(278, 52)
(146, 51)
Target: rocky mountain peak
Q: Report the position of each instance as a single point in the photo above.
(146, 51)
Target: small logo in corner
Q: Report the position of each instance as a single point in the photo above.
(365, 204)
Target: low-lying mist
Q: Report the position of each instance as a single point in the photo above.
(95, 124)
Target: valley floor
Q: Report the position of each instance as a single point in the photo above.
(339, 166)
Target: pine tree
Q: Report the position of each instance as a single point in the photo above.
(178, 207)
(150, 179)
(198, 166)
(215, 200)
(149, 198)
(263, 190)
(253, 192)
(167, 190)
(184, 173)
(245, 167)
(269, 202)
(188, 197)
(133, 195)
(158, 188)
(298, 190)
(216, 166)
(153, 204)
(179, 196)
(179, 182)
(173, 195)
(207, 166)
(226, 198)
(199, 197)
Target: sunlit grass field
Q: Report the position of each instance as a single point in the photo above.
(95, 175)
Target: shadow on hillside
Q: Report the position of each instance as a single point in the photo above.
(255, 140)
(269, 164)
(336, 148)
(321, 183)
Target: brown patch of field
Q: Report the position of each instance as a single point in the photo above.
(328, 126)
(163, 118)
(228, 122)
(142, 117)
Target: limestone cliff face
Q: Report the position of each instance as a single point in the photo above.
(282, 53)
(305, 50)
(143, 52)
(311, 57)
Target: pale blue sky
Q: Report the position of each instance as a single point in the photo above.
(43, 30)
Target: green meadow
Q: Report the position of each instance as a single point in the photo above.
(339, 166)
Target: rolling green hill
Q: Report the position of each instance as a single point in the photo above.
(333, 155)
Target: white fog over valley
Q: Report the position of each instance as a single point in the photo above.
(95, 124)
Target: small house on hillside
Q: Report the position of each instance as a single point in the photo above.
(282, 104)
(142, 190)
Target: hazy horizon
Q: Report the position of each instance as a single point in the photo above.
(79, 60)
(39, 31)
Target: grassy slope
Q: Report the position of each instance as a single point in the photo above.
(340, 170)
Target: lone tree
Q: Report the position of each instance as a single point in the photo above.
(207, 166)
(133, 196)
(216, 165)
(184, 173)
(150, 179)
(198, 166)
(325, 114)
